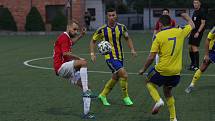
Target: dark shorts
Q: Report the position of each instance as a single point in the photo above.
(155, 77)
(114, 65)
(195, 41)
(212, 56)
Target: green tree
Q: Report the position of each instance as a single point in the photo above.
(7, 21)
(34, 21)
(59, 22)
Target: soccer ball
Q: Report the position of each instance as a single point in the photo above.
(104, 47)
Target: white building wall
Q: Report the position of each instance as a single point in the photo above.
(99, 11)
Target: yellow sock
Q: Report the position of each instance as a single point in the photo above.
(124, 86)
(171, 107)
(108, 87)
(153, 91)
(196, 77)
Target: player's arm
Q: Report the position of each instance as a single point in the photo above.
(130, 45)
(71, 56)
(96, 36)
(65, 47)
(202, 26)
(129, 41)
(207, 42)
(83, 31)
(92, 50)
(196, 35)
(149, 61)
(154, 50)
(186, 17)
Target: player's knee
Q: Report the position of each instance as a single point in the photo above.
(125, 76)
(115, 77)
(167, 92)
(195, 49)
(204, 65)
(83, 63)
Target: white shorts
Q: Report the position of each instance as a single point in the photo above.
(68, 71)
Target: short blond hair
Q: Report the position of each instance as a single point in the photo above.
(73, 21)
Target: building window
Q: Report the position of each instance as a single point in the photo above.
(92, 13)
(179, 11)
(52, 11)
(157, 13)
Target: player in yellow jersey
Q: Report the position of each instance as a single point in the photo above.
(168, 43)
(113, 32)
(208, 59)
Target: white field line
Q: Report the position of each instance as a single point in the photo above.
(26, 63)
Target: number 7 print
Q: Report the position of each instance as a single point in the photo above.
(174, 40)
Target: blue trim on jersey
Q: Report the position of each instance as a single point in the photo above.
(170, 27)
(120, 44)
(100, 31)
(107, 39)
(154, 37)
(114, 42)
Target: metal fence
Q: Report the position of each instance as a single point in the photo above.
(132, 21)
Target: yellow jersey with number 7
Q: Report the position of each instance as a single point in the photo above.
(168, 43)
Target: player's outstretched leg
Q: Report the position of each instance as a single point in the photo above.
(123, 79)
(124, 86)
(87, 101)
(156, 97)
(170, 102)
(86, 94)
(194, 80)
(171, 107)
(82, 65)
(108, 87)
(197, 75)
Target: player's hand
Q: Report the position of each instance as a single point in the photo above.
(206, 58)
(196, 35)
(141, 71)
(133, 53)
(83, 31)
(93, 57)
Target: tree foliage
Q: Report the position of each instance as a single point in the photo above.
(7, 21)
(59, 22)
(34, 21)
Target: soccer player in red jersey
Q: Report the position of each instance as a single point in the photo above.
(158, 26)
(70, 66)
